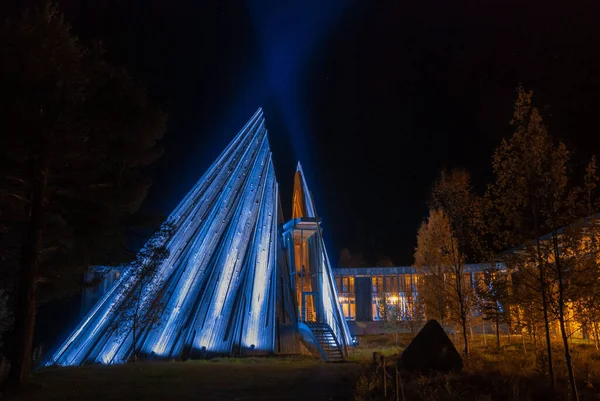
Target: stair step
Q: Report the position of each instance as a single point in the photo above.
(327, 341)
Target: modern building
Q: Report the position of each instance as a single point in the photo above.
(364, 290)
(238, 279)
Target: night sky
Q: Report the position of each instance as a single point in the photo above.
(373, 97)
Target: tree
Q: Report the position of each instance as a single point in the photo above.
(345, 258)
(431, 260)
(390, 313)
(530, 196)
(351, 260)
(493, 295)
(6, 317)
(75, 133)
(142, 303)
(414, 313)
(453, 195)
(444, 290)
(384, 261)
(585, 282)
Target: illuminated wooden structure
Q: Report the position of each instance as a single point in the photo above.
(230, 285)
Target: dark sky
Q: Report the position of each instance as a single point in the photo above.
(374, 97)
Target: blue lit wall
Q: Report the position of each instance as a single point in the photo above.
(218, 279)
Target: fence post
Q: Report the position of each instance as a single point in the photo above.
(397, 384)
(384, 376)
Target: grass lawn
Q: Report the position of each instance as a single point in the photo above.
(221, 379)
(510, 373)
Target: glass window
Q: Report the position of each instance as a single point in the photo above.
(351, 284)
(347, 297)
(376, 307)
(377, 282)
(347, 284)
(391, 283)
(404, 283)
(467, 280)
(348, 303)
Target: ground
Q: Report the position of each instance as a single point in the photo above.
(513, 373)
(223, 379)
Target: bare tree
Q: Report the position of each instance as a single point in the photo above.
(493, 297)
(141, 307)
(414, 314)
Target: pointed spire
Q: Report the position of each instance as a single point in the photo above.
(302, 203)
(298, 198)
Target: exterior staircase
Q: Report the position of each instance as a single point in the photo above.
(310, 310)
(330, 349)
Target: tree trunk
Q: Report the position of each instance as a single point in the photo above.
(483, 326)
(596, 339)
(25, 310)
(497, 331)
(534, 334)
(465, 338)
(523, 339)
(561, 319)
(441, 296)
(463, 314)
(545, 310)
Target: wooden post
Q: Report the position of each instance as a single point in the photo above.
(397, 384)
(384, 376)
(399, 381)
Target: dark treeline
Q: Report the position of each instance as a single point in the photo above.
(75, 135)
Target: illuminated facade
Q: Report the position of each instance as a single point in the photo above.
(227, 285)
(362, 290)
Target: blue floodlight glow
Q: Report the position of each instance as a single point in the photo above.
(219, 283)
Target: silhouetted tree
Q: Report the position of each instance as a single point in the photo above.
(384, 261)
(6, 317)
(351, 260)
